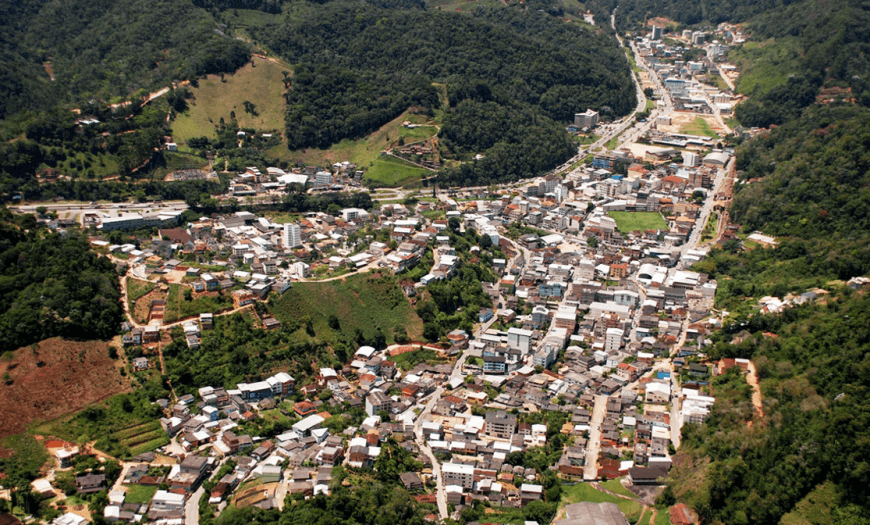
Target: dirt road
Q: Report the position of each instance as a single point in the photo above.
(752, 379)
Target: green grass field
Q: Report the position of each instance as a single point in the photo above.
(645, 518)
(179, 161)
(615, 486)
(367, 302)
(261, 84)
(365, 152)
(461, 5)
(280, 217)
(586, 492)
(627, 221)
(142, 438)
(764, 65)
(699, 127)
(390, 171)
(663, 517)
(139, 494)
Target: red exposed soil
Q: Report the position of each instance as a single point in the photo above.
(56, 378)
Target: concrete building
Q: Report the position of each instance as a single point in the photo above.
(519, 339)
(292, 235)
(500, 424)
(457, 474)
(587, 119)
(613, 339)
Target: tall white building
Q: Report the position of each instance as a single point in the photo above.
(613, 339)
(292, 235)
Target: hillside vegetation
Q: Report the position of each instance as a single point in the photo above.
(514, 76)
(817, 409)
(53, 285)
(147, 45)
(810, 189)
(261, 83)
(369, 306)
(827, 44)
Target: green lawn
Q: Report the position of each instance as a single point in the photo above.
(663, 517)
(280, 217)
(627, 221)
(645, 518)
(586, 492)
(614, 485)
(261, 84)
(409, 360)
(362, 152)
(366, 302)
(699, 127)
(417, 134)
(390, 171)
(180, 161)
(139, 494)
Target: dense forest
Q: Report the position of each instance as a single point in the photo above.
(362, 65)
(814, 372)
(147, 45)
(809, 187)
(53, 284)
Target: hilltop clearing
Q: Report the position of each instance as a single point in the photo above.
(260, 82)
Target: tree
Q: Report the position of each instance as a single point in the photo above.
(485, 242)
(333, 322)
(250, 108)
(400, 335)
(431, 332)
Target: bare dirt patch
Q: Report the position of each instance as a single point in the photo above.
(54, 378)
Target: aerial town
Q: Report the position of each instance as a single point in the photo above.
(588, 361)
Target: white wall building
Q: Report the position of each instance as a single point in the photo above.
(292, 235)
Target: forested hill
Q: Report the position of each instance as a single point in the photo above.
(53, 285)
(810, 187)
(806, 460)
(509, 77)
(806, 46)
(102, 49)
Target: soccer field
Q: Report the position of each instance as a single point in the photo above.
(627, 221)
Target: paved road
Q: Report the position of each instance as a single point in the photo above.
(191, 507)
(590, 471)
(701, 223)
(441, 494)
